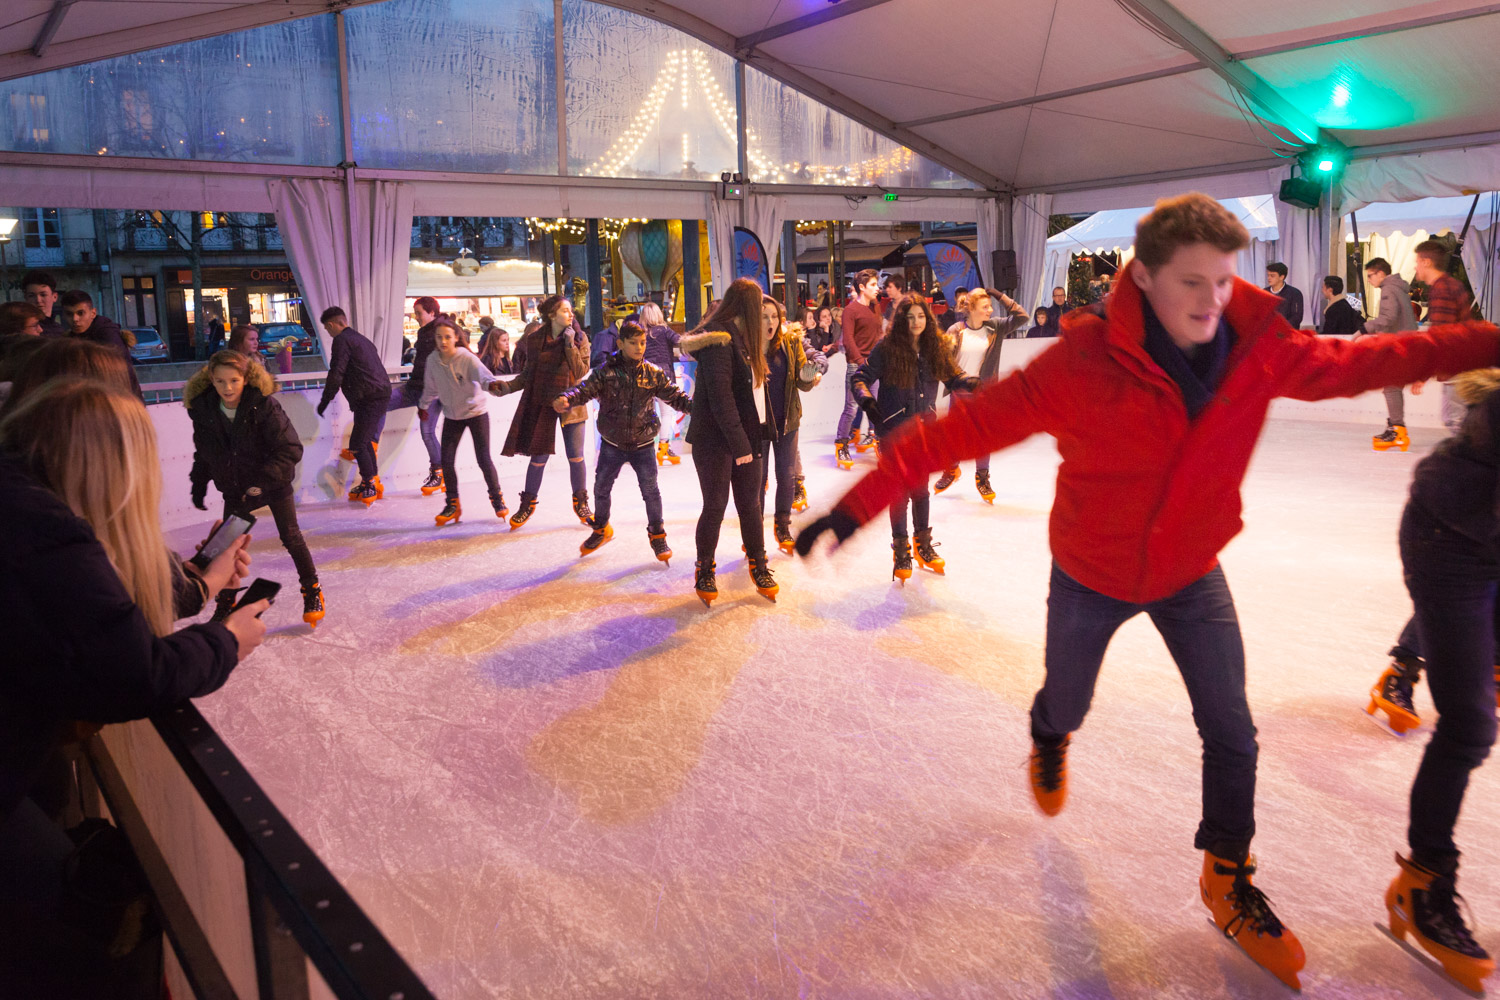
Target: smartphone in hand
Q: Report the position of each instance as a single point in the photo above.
(231, 528)
(261, 590)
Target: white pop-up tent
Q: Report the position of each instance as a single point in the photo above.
(1114, 231)
(1394, 229)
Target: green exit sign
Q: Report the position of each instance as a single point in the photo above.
(891, 196)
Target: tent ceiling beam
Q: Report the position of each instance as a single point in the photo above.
(722, 40)
(49, 27)
(745, 43)
(1174, 25)
(1333, 38)
(1128, 180)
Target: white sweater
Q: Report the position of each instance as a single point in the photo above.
(458, 383)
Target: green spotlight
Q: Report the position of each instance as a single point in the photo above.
(1325, 165)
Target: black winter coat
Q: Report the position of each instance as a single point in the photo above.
(355, 367)
(76, 645)
(260, 449)
(625, 390)
(724, 413)
(898, 405)
(106, 331)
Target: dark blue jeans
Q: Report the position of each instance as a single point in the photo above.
(1202, 632)
(478, 427)
(1452, 581)
(407, 394)
(369, 421)
(852, 416)
(573, 446)
(611, 461)
(785, 460)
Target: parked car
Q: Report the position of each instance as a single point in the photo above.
(148, 345)
(272, 334)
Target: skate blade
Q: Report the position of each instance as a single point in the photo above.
(1380, 721)
(1295, 985)
(1432, 964)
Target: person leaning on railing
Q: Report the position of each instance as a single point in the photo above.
(88, 596)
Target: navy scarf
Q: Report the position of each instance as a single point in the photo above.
(1197, 375)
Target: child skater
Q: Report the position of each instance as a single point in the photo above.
(1451, 564)
(553, 358)
(457, 380)
(728, 432)
(626, 386)
(908, 365)
(790, 371)
(1156, 401)
(244, 444)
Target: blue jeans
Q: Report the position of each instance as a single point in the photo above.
(852, 416)
(573, 447)
(611, 461)
(1452, 581)
(405, 395)
(1202, 633)
(785, 460)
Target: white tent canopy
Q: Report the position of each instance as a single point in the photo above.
(1394, 229)
(1425, 215)
(1114, 231)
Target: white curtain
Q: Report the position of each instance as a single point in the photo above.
(1479, 261)
(1303, 247)
(368, 280)
(1055, 271)
(988, 229)
(1251, 265)
(763, 216)
(1029, 217)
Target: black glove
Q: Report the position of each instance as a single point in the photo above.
(321, 408)
(836, 521)
(871, 408)
(198, 501)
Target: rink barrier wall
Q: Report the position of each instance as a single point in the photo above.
(248, 908)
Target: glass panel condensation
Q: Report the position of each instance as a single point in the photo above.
(644, 99)
(794, 139)
(269, 95)
(462, 85)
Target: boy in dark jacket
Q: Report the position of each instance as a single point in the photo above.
(244, 444)
(627, 387)
(86, 323)
(355, 366)
(1156, 400)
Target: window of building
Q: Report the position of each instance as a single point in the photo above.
(41, 228)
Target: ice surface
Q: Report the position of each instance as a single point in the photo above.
(551, 777)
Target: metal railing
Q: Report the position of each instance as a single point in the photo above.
(171, 392)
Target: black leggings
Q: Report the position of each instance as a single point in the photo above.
(453, 432)
(921, 503)
(284, 511)
(717, 476)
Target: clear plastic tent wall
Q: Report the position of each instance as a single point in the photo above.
(458, 85)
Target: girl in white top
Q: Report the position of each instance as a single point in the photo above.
(976, 347)
(457, 379)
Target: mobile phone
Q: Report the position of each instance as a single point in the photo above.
(261, 590)
(223, 536)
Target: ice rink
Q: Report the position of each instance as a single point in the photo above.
(551, 777)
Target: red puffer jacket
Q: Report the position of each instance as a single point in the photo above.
(1146, 499)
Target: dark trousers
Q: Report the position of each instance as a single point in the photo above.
(611, 461)
(1409, 643)
(784, 457)
(284, 510)
(453, 432)
(1199, 626)
(920, 503)
(718, 476)
(369, 421)
(573, 447)
(852, 416)
(409, 394)
(1452, 581)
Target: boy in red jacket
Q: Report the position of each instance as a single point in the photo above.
(1156, 398)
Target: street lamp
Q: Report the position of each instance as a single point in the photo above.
(6, 225)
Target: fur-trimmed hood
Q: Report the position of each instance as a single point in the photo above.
(709, 338)
(203, 381)
(1472, 387)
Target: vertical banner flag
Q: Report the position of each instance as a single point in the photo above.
(750, 258)
(954, 266)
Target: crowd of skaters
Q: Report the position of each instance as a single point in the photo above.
(1147, 496)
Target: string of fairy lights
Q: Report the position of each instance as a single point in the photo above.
(575, 230)
(683, 68)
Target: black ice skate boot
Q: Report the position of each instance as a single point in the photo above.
(1424, 903)
(367, 492)
(1392, 693)
(982, 484)
(760, 575)
(497, 501)
(523, 513)
(312, 604)
(581, 508)
(704, 584)
(784, 540)
(451, 512)
(658, 535)
(799, 494)
(1394, 436)
(927, 556)
(842, 457)
(947, 479)
(901, 559)
(433, 482)
(596, 538)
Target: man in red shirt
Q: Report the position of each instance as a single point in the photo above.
(1156, 398)
(1448, 301)
(862, 330)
